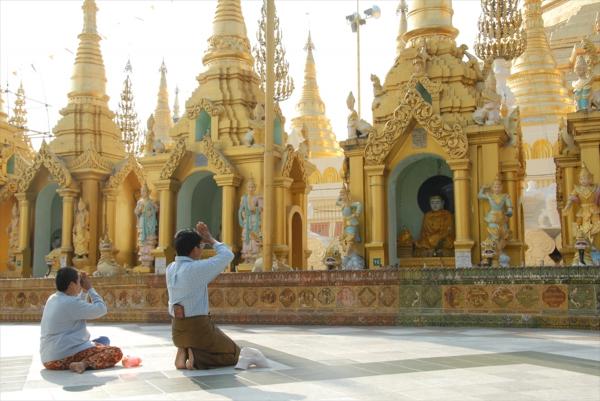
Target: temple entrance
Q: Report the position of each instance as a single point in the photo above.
(417, 185)
(47, 227)
(297, 257)
(200, 199)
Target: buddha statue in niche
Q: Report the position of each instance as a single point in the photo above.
(437, 230)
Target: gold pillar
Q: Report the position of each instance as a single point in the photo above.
(167, 190)
(282, 188)
(376, 256)
(357, 186)
(66, 244)
(229, 183)
(109, 222)
(512, 189)
(269, 158)
(90, 192)
(23, 255)
(463, 243)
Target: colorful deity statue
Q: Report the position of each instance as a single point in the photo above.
(587, 196)
(145, 211)
(437, 230)
(350, 213)
(582, 87)
(81, 230)
(500, 211)
(249, 217)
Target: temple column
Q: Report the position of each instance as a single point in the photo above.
(66, 244)
(569, 217)
(354, 151)
(515, 246)
(280, 247)
(23, 266)
(463, 243)
(110, 198)
(376, 255)
(165, 252)
(229, 183)
(90, 192)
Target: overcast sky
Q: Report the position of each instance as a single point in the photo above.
(38, 41)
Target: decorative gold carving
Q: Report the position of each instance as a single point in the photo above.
(414, 106)
(130, 165)
(221, 42)
(215, 157)
(8, 190)
(55, 166)
(193, 110)
(287, 162)
(90, 159)
(176, 155)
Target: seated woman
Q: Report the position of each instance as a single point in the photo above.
(65, 341)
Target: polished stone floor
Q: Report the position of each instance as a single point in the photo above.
(324, 363)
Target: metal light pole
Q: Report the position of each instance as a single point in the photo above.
(356, 20)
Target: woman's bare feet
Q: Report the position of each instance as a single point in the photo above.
(78, 367)
(189, 364)
(180, 358)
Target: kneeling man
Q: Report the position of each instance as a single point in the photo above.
(200, 344)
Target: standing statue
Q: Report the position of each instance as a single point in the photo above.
(13, 236)
(501, 210)
(582, 87)
(437, 230)
(255, 134)
(377, 91)
(489, 111)
(249, 217)
(81, 230)
(145, 212)
(350, 235)
(587, 218)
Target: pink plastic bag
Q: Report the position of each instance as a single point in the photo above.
(131, 361)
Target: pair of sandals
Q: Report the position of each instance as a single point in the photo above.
(184, 359)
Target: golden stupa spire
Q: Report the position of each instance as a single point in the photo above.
(19, 117)
(535, 79)
(162, 114)
(402, 10)
(430, 17)
(87, 122)
(311, 112)
(229, 40)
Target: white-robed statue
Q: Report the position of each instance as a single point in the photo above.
(249, 216)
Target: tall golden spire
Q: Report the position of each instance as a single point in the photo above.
(162, 114)
(402, 10)
(535, 79)
(311, 113)
(430, 17)
(19, 117)
(229, 40)
(87, 122)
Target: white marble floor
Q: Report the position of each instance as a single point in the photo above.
(324, 363)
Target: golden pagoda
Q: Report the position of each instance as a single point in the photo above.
(425, 158)
(163, 120)
(218, 151)
(84, 165)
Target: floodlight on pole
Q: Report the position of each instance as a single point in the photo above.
(356, 20)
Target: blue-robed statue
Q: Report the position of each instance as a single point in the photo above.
(249, 217)
(145, 211)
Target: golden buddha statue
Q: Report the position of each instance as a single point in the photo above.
(587, 195)
(437, 231)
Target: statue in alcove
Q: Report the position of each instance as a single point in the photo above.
(53, 258)
(81, 230)
(249, 217)
(497, 218)
(13, 236)
(350, 235)
(587, 218)
(145, 212)
(437, 230)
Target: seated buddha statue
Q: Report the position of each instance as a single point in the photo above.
(437, 230)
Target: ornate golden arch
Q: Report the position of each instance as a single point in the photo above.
(57, 169)
(289, 157)
(413, 106)
(216, 159)
(130, 165)
(194, 108)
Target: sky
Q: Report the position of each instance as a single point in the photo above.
(38, 42)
